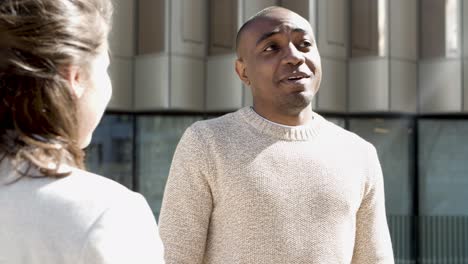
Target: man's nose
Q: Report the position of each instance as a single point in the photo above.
(293, 56)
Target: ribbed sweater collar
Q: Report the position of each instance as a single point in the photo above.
(292, 133)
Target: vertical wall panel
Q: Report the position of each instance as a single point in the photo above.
(250, 7)
(440, 28)
(465, 84)
(223, 26)
(188, 27)
(440, 86)
(332, 93)
(403, 86)
(192, 21)
(403, 29)
(187, 83)
(369, 83)
(299, 6)
(172, 77)
(332, 32)
(364, 28)
(151, 82)
(122, 36)
(224, 88)
(403, 21)
(305, 8)
(152, 63)
(464, 17)
(432, 28)
(121, 74)
(121, 44)
(152, 26)
(332, 35)
(453, 28)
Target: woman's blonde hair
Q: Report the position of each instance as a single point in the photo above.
(39, 40)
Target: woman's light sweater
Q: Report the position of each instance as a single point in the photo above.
(81, 219)
(245, 190)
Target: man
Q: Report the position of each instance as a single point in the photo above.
(275, 183)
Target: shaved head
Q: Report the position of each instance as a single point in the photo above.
(278, 59)
(263, 14)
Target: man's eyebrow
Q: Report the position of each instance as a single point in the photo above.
(300, 30)
(267, 35)
(276, 31)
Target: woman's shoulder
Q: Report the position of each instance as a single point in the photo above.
(88, 190)
(80, 192)
(80, 209)
(79, 179)
(78, 198)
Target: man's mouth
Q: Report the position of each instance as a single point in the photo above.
(296, 77)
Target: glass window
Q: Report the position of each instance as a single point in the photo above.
(443, 170)
(443, 184)
(157, 138)
(110, 152)
(393, 139)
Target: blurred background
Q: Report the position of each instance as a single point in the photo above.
(395, 72)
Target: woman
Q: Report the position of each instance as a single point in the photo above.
(53, 91)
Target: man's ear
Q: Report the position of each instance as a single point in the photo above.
(241, 72)
(75, 79)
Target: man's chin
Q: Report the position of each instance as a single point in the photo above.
(297, 102)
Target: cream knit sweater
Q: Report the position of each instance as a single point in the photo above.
(245, 190)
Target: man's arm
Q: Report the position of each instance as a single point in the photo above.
(372, 243)
(187, 202)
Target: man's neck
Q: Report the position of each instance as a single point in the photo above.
(303, 117)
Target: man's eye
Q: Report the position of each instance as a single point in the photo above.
(306, 44)
(271, 47)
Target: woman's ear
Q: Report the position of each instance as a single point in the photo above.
(241, 72)
(75, 78)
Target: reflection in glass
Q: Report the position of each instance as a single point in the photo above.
(110, 152)
(157, 138)
(393, 139)
(443, 170)
(443, 174)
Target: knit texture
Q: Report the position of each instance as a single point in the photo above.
(243, 189)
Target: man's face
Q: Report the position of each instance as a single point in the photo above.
(279, 60)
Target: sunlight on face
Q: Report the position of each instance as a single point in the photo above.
(282, 63)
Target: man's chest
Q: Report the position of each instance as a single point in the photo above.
(297, 178)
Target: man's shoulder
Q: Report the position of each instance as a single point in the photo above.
(218, 124)
(343, 136)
